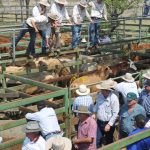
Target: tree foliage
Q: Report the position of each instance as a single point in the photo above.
(117, 7)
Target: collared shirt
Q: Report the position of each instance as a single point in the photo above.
(79, 14)
(98, 10)
(41, 23)
(107, 108)
(87, 129)
(143, 96)
(40, 144)
(47, 120)
(143, 144)
(127, 124)
(61, 12)
(85, 100)
(36, 11)
(125, 87)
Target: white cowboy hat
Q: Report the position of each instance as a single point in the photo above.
(83, 90)
(128, 77)
(53, 16)
(105, 85)
(83, 3)
(63, 2)
(32, 126)
(83, 110)
(44, 2)
(58, 143)
(112, 83)
(147, 74)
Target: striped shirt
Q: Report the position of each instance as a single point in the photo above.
(107, 109)
(85, 100)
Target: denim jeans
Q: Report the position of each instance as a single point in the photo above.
(43, 35)
(102, 135)
(94, 32)
(31, 45)
(76, 34)
(146, 10)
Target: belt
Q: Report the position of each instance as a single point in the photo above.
(96, 18)
(52, 133)
(103, 122)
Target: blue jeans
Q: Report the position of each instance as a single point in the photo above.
(101, 134)
(94, 32)
(76, 34)
(146, 10)
(31, 45)
(43, 35)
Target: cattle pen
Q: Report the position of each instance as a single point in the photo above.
(26, 81)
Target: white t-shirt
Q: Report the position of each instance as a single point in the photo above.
(47, 120)
(125, 87)
(40, 144)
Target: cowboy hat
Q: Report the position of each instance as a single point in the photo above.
(112, 83)
(63, 2)
(147, 74)
(83, 90)
(105, 85)
(53, 16)
(58, 143)
(44, 2)
(32, 126)
(128, 77)
(82, 110)
(83, 3)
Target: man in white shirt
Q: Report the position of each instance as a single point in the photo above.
(47, 120)
(59, 8)
(33, 25)
(98, 10)
(128, 85)
(106, 110)
(41, 9)
(79, 13)
(33, 140)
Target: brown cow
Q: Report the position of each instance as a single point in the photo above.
(101, 74)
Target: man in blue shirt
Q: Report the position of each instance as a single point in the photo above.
(127, 114)
(143, 144)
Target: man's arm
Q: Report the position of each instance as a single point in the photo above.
(32, 116)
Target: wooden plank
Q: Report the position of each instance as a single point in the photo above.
(9, 95)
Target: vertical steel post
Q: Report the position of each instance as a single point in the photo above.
(14, 47)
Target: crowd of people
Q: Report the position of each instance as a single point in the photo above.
(46, 20)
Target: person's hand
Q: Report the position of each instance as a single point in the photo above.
(94, 116)
(107, 128)
(74, 140)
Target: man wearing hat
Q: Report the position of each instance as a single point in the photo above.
(41, 9)
(143, 144)
(33, 25)
(33, 140)
(83, 99)
(86, 136)
(127, 114)
(128, 85)
(79, 13)
(59, 8)
(144, 98)
(47, 119)
(106, 111)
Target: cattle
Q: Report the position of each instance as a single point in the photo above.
(99, 75)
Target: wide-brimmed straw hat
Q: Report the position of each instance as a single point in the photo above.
(82, 110)
(63, 2)
(105, 85)
(83, 3)
(83, 90)
(44, 2)
(128, 77)
(112, 83)
(32, 126)
(147, 75)
(58, 143)
(53, 16)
